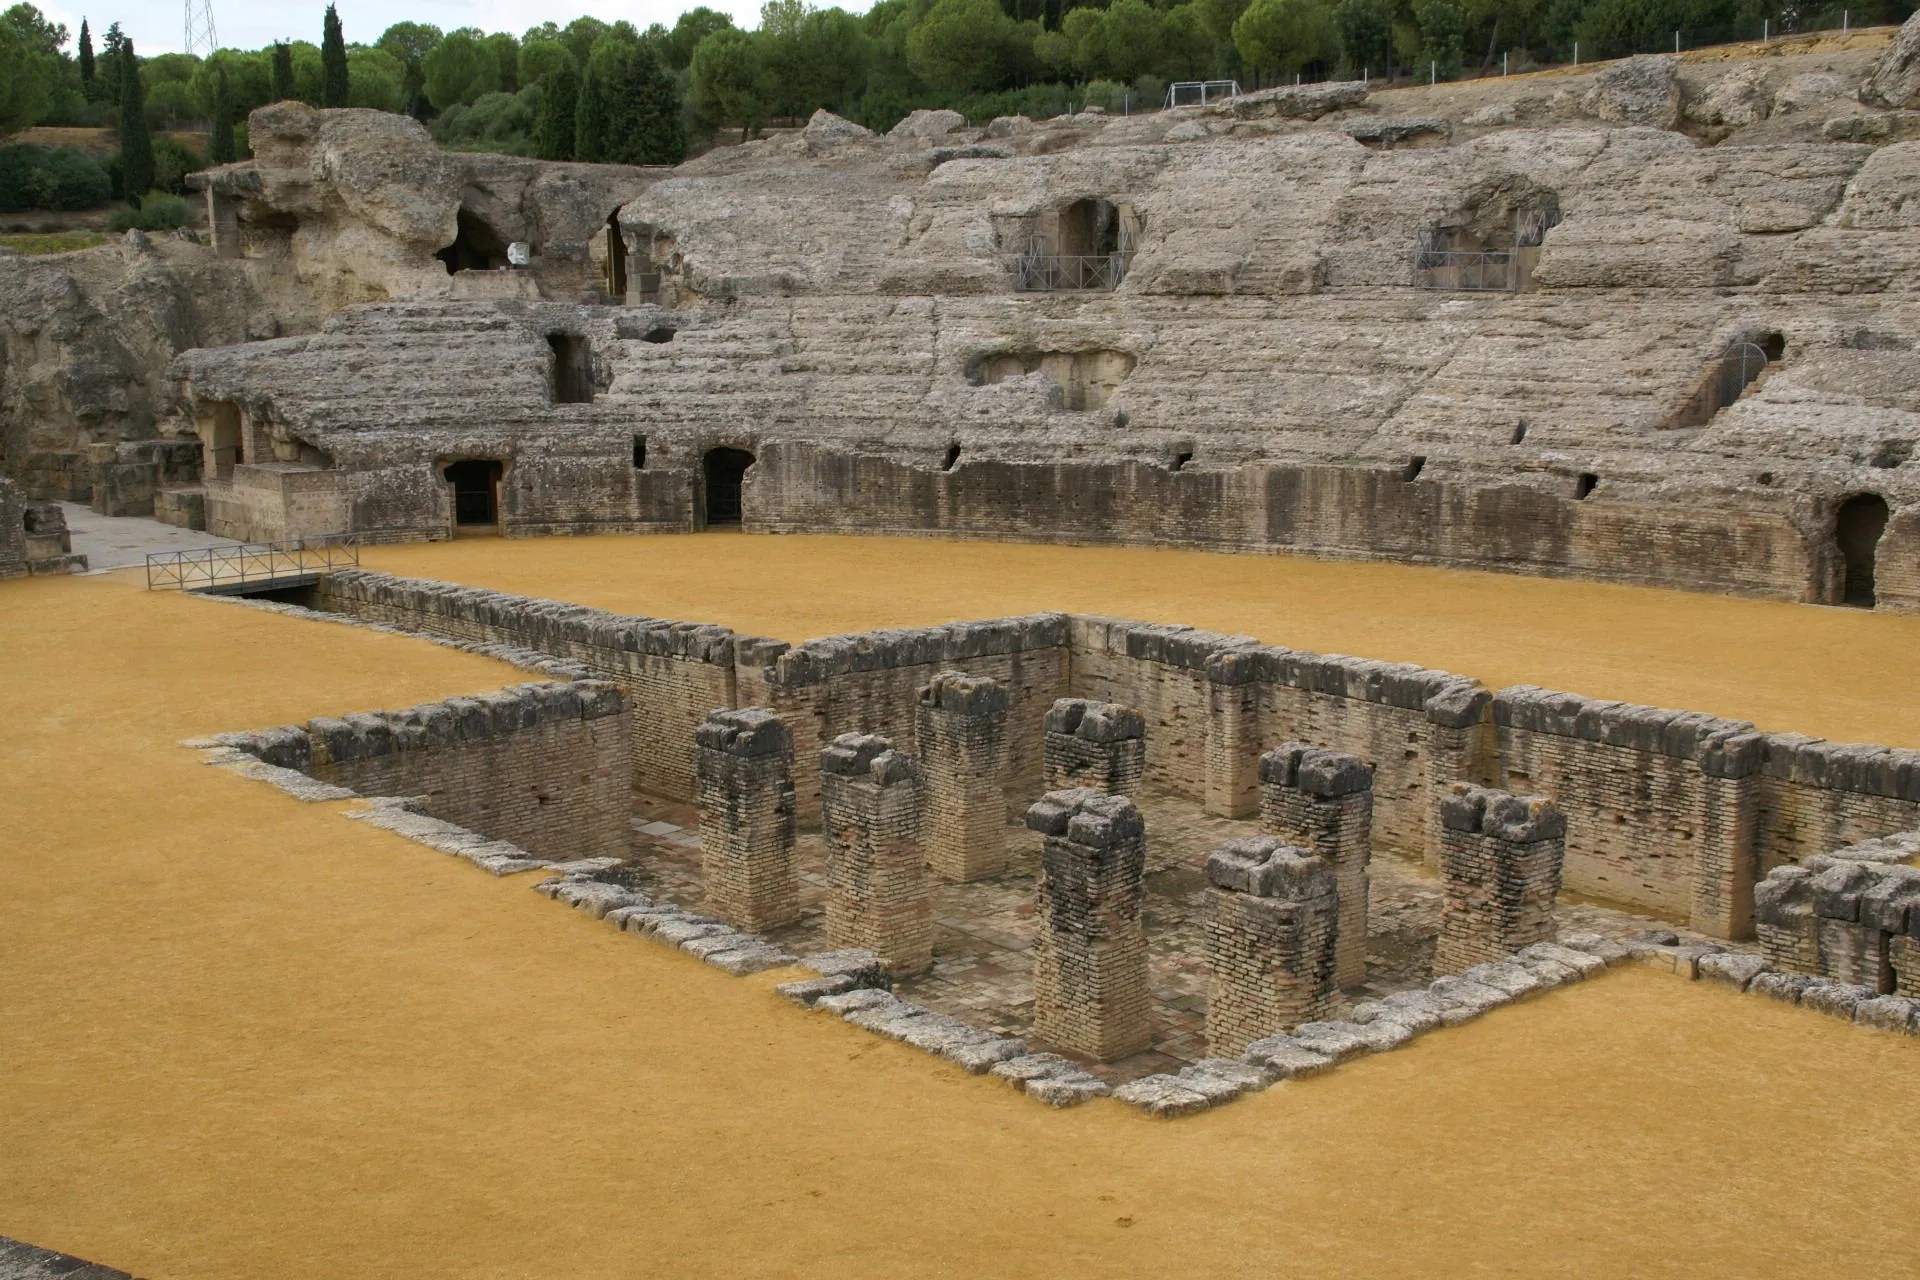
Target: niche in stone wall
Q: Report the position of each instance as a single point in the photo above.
(476, 246)
(570, 381)
(1726, 378)
(218, 424)
(1087, 379)
(1857, 527)
(1491, 241)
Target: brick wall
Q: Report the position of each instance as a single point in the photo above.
(1671, 812)
(542, 766)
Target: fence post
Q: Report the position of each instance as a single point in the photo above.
(1433, 72)
(1676, 42)
(1503, 62)
(1576, 53)
(1766, 28)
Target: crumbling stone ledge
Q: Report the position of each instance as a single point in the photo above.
(1380, 1026)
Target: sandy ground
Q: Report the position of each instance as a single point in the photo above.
(1844, 674)
(242, 1037)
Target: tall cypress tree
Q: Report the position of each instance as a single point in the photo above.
(333, 62)
(220, 144)
(136, 143)
(281, 70)
(643, 124)
(107, 72)
(590, 113)
(86, 56)
(559, 98)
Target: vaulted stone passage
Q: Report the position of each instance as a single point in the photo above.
(724, 472)
(476, 491)
(1857, 529)
(571, 380)
(476, 246)
(616, 279)
(218, 422)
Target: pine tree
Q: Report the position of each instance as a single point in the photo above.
(590, 115)
(86, 56)
(553, 133)
(136, 143)
(333, 62)
(282, 70)
(220, 144)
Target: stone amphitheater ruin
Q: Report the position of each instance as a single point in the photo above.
(1652, 324)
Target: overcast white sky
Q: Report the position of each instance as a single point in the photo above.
(159, 26)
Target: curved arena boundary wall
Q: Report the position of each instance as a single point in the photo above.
(1674, 812)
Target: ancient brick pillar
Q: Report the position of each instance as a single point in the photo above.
(1726, 817)
(960, 729)
(876, 871)
(1461, 747)
(1322, 801)
(1094, 744)
(1273, 925)
(743, 773)
(1233, 734)
(1500, 862)
(1090, 951)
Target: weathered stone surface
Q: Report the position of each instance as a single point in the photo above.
(1732, 970)
(1740, 97)
(1163, 1096)
(1642, 90)
(1895, 81)
(1288, 1057)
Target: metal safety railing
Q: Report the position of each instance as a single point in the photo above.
(251, 563)
(1463, 270)
(1054, 272)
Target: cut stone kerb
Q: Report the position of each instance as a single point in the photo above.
(1501, 857)
(1090, 950)
(1323, 801)
(877, 885)
(960, 732)
(1094, 744)
(1272, 927)
(743, 772)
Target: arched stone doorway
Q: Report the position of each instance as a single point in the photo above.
(476, 492)
(724, 472)
(1856, 529)
(476, 246)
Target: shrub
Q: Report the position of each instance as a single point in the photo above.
(160, 211)
(33, 176)
(172, 162)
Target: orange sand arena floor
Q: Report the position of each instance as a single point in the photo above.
(241, 1037)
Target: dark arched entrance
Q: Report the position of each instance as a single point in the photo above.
(724, 471)
(1857, 529)
(616, 259)
(476, 246)
(476, 489)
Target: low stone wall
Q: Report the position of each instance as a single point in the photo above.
(542, 766)
(1673, 812)
(672, 673)
(33, 536)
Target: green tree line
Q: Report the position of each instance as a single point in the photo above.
(610, 92)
